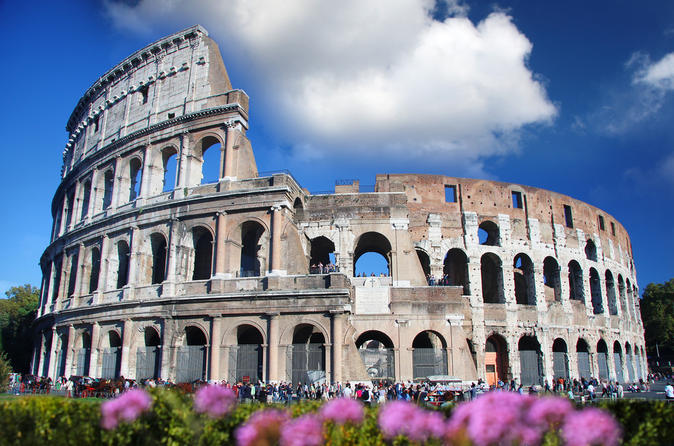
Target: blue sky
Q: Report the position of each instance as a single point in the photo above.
(575, 97)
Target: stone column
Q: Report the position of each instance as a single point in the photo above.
(103, 272)
(273, 349)
(80, 270)
(220, 236)
(276, 219)
(116, 184)
(181, 163)
(146, 175)
(232, 133)
(127, 335)
(70, 351)
(166, 349)
(93, 353)
(168, 287)
(74, 207)
(337, 345)
(52, 354)
(216, 335)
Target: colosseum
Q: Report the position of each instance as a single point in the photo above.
(157, 268)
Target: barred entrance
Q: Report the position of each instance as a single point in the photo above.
(429, 355)
(148, 358)
(640, 373)
(602, 359)
(83, 355)
(630, 362)
(191, 357)
(582, 350)
(61, 356)
(307, 355)
(495, 360)
(112, 356)
(376, 352)
(560, 360)
(249, 354)
(531, 361)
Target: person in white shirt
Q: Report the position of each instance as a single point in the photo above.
(669, 391)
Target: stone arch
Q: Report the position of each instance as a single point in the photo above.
(531, 361)
(602, 359)
(83, 356)
(298, 208)
(618, 361)
(229, 337)
(321, 248)
(86, 197)
(488, 233)
(496, 359)
(95, 268)
(202, 245)
(455, 268)
(249, 353)
(629, 359)
(135, 171)
(122, 273)
(551, 279)
(252, 255)
(523, 277)
(595, 292)
(492, 278)
(111, 344)
(72, 273)
(610, 293)
(590, 250)
(62, 348)
(191, 356)
(108, 184)
(560, 359)
(576, 282)
(424, 261)
(372, 242)
(307, 354)
(583, 358)
(148, 354)
(377, 352)
(429, 354)
(159, 256)
(208, 158)
(169, 170)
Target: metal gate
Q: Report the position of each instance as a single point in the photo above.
(429, 362)
(379, 363)
(630, 367)
(111, 362)
(532, 368)
(191, 363)
(640, 373)
(584, 365)
(61, 363)
(82, 362)
(249, 362)
(308, 363)
(602, 362)
(560, 365)
(617, 360)
(147, 362)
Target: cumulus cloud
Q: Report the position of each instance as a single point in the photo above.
(375, 79)
(659, 75)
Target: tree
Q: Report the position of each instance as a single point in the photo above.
(5, 370)
(17, 314)
(657, 313)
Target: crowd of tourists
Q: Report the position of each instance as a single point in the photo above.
(442, 281)
(323, 269)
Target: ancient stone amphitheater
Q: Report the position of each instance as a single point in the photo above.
(157, 269)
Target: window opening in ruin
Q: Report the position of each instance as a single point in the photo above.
(170, 161)
(455, 269)
(568, 217)
(372, 255)
(425, 262)
(429, 355)
(523, 276)
(450, 194)
(576, 282)
(298, 207)
(601, 223)
(630, 305)
(560, 359)
(307, 355)
(95, 269)
(210, 155)
(96, 120)
(488, 233)
(171, 115)
(612, 228)
(122, 264)
(70, 206)
(108, 184)
(249, 354)
(595, 292)
(517, 199)
(492, 279)
(591, 251)
(583, 355)
(377, 352)
(135, 175)
(203, 253)
(144, 90)
(531, 361)
(610, 294)
(551, 279)
(251, 232)
(621, 294)
(58, 270)
(321, 256)
(72, 279)
(86, 196)
(158, 246)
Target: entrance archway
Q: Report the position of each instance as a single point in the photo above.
(531, 361)
(191, 363)
(429, 355)
(83, 355)
(375, 243)
(376, 351)
(583, 353)
(560, 360)
(148, 357)
(308, 355)
(618, 362)
(602, 359)
(112, 356)
(249, 354)
(495, 359)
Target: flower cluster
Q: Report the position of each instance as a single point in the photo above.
(214, 400)
(342, 411)
(127, 407)
(262, 428)
(403, 418)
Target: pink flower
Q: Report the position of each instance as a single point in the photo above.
(303, 431)
(545, 412)
(262, 428)
(127, 407)
(591, 427)
(403, 418)
(214, 400)
(343, 410)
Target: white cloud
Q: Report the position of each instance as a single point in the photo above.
(659, 74)
(375, 78)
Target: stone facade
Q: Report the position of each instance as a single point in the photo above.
(152, 271)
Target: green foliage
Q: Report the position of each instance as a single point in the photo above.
(5, 370)
(17, 313)
(645, 423)
(657, 313)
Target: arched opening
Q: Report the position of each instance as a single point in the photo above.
(429, 355)
(496, 360)
(83, 355)
(456, 269)
(69, 206)
(95, 269)
(531, 361)
(621, 293)
(248, 354)
(630, 302)
(602, 359)
(583, 354)
(488, 233)
(202, 241)
(591, 250)
(618, 361)
(639, 352)
(322, 255)
(595, 292)
(108, 185)
(551, 279)
(170, 164)
(308, 355)
(72, 278)
(61, 355)
(372, 255)
(135, 176)
(112, 356)
(298, 207)
(251, 232)
(425, 262)
(492, 279)
(576, 282)
(47, 339)
(211, 151)
(629, 359)
(58, 270)
(560, 359)
(148, 356)
(610, 294)
(122, 264)
(158, 246)
(377, 353)
(86, 198)
(191, 363)
(523, 276)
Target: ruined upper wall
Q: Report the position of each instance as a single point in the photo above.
(177, 75)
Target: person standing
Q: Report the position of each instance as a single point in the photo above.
(669, 391)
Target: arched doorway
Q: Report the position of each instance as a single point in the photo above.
(377, 251)
(191, 363)
(424, 261)
(523, 277)
(249, 354)
(148, 357)
(618, 361)
(112, 356)
(630, 361)
(456, 269)
(495, 359)
(429, 355)
(322, 254)
(602, 359)
(202, 240)
(576, 281)
(583, 354)
(531, 361)
(551, 279)
(492, 279)
(376, 351)
(595, 292)
(488, 233)
(83, 355)
(560, 360)
(61, 355)
(308, 355)
(251, 232)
